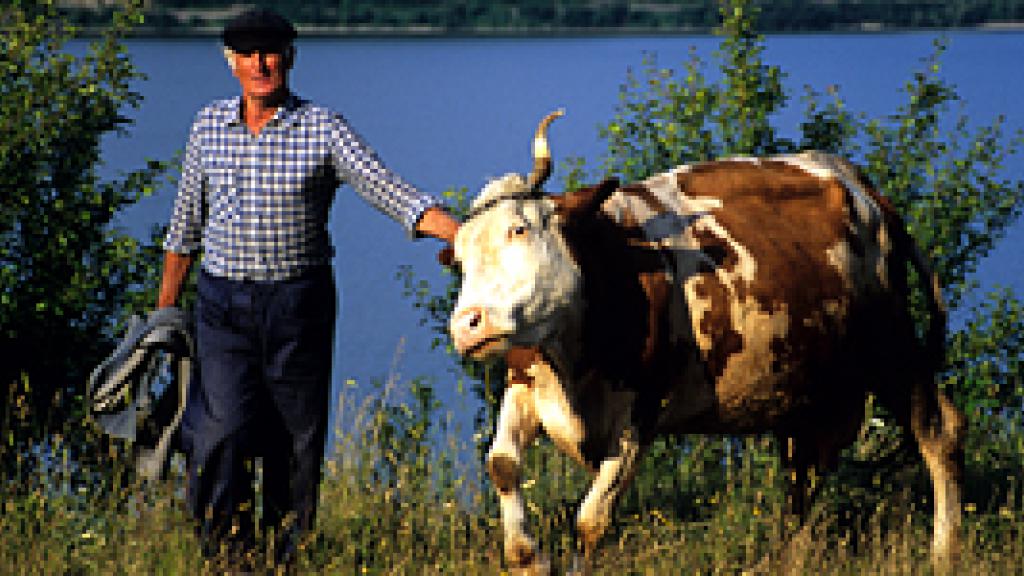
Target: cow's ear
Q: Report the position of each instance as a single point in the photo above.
(584, 201)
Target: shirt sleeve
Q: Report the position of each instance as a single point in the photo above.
(358, 165)
(184, 232)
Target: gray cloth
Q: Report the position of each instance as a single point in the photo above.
(139, 392)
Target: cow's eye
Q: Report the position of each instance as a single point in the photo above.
(518, 230)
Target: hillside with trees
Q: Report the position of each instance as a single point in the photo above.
(442, 17)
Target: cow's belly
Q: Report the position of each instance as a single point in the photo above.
(764, 382)
(760, 402)
(761, 363)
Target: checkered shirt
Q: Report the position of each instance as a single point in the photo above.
(258, 205)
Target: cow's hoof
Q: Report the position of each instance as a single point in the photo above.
(523, 558)
(539, 568)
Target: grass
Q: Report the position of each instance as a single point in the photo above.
(398, 498)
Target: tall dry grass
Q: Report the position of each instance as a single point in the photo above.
(403, 494)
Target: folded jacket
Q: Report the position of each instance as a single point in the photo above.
(139, 392)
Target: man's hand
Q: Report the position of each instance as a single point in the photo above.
(439, 224)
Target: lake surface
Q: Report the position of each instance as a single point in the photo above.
(456, 112)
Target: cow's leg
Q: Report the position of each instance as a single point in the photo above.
(938, 427)
(517, 427)
(807, 456)
(799, 467)
(812, 454)
(595, 514)
(802, 483)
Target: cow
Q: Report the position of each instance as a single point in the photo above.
(737, 296)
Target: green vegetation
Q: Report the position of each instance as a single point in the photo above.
(398, 497)
(66, 274)
(536, 16)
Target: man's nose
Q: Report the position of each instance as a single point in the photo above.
(263, 61)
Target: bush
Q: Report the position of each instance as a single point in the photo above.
(66, 274)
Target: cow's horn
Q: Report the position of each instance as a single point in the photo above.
(541, 152)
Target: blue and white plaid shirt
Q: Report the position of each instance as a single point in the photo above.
(258, 205)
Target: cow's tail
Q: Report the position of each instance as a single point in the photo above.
(907, 251)
(935, 421)
(931, 289)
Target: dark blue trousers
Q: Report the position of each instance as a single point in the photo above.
(264, 351)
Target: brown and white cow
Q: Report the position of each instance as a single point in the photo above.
(738, 296)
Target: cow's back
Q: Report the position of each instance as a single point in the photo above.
(780, 269)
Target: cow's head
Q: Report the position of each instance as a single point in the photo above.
(520, 280)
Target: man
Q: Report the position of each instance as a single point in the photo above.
(258, 178)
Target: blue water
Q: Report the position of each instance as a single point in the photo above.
(456, 112)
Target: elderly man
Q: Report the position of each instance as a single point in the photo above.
(258, 179)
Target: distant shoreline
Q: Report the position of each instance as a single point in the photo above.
(426, 31)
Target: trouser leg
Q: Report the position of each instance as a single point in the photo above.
(299, 347)
(221, 493)
(224, 499)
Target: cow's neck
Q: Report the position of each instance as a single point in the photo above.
(617, 331)
(564, 350)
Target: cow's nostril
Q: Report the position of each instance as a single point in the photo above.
(469, 320)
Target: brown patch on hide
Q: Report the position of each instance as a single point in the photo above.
(518, 362)
(787, 220)
(658, 291)
(716, 325)
(718, 253)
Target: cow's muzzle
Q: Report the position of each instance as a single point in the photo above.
(474, 336)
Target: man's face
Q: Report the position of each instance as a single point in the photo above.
(262, 73)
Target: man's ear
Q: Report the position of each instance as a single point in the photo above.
(229, 55)
(584, 201)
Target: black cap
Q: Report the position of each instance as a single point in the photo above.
(258, 29)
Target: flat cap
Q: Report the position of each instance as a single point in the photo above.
(258, 29)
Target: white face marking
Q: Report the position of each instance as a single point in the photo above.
(516, 267)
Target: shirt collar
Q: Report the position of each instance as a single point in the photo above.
(287, 113)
